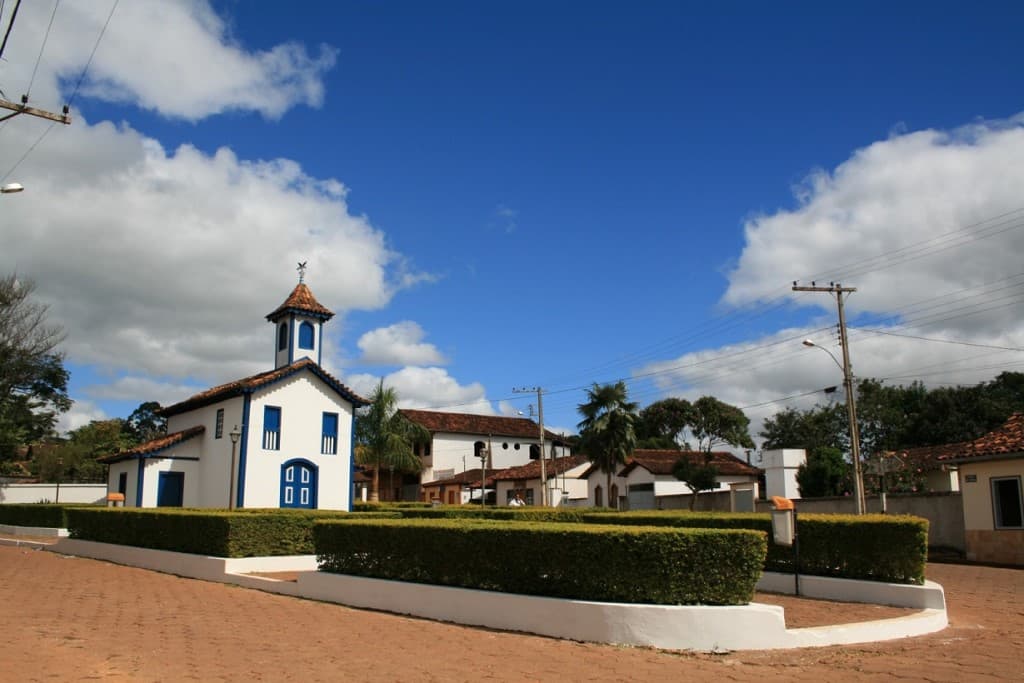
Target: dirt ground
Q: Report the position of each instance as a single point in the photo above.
(71, 619)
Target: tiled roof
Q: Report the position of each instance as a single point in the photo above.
(531, 470)
(462, 423)
(301, 300)
(470, 477)
(249, 384)
(1005, 440)
(660, 461)
(155, 446)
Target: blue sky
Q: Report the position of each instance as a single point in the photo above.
(535, 193)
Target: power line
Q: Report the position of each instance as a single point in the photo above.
(28, 151)
(92, 54)
(940, 341)
(42, 47)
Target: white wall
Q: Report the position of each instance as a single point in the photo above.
(303, 398)
(151, 481)
(447, 451)
(37, 493)
(213, 482)
(129, 467)
(780, 467)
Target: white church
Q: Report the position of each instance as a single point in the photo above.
(281, 438)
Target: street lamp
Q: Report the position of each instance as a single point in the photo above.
(851, 412)
(235, 435)
(11, 188)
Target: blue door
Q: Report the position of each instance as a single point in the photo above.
(170, 489)
(298, 484)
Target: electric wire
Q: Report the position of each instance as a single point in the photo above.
(92, 54)
(42, 47)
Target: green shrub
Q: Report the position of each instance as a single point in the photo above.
(37, 514)
(608, 563)
(892, 548)
(218, 533)
(389, 505)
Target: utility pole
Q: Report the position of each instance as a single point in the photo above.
(23, 108)
(851, 400)
(540, 421)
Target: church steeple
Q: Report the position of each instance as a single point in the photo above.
(298, 324)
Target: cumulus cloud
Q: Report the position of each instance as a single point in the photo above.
(398, 344)
(905, 219)
(429, 388)
(131, 388)
(178, 59)
(81, 414)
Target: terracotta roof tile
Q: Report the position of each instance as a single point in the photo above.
(155, 446)
(469, 477)
(464, 423)
(531, 470)
(1005, 440)
(301, 300)
(253, 382)
(660, 461)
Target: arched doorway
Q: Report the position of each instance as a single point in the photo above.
(298, 484)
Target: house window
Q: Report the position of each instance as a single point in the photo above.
(598, 497)
(271, 428)
(1007, 506)
(306, 335)
(282, 337)
(170, 489)
(218, 428)
(329, 435)
(534, 451)
(122, 483)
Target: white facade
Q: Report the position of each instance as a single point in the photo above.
(453, 453)
(780, 468)
(563, 489)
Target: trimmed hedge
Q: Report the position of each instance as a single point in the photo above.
(48, 515)
(204, 532)
(360, 506)
(608, 563)
(891, 548)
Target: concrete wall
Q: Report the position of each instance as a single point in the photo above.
(37, 493)
(985, 543)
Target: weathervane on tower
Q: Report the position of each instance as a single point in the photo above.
(302, 271)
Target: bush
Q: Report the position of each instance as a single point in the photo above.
(217, 533)
(892, 548)
(692, 566)
(36, 514)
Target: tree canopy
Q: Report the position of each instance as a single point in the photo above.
(33, 380)
(715, 423)
(608, 429)
(698, 476)
(385, 438)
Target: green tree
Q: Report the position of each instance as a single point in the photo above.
(608, 429)
(662, 424)
(821, 426)
(825, 473)
(714, 423)
(385, 438)
(698, 476)
(33, 381)
(146, 423)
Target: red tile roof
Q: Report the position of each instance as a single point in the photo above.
(469, 477)
(1006, 440)
(531, 470)
(661, 461)
(155, 446)
(462, 423)
(301, 300)
(249, 384)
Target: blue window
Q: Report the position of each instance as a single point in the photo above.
(170, 489)
(271, 428)
(306, 335)
(282, 337)
(329, 438)
(218, 428)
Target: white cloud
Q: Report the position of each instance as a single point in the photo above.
(429, 388)
(81, 414)
(175, 58)
(399, 344)
(882, 221)
(141, 389)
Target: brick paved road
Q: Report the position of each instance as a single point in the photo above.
(77, 619)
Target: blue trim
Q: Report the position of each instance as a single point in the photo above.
(319, 343)
(291, 340)
(277, 315)
(242, 451)
(140, 479)
(352, 461)
(307, 336)
(314, 483)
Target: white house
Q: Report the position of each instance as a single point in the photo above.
(458, 440)
(565, 487)
(281, 438)
(647, 476)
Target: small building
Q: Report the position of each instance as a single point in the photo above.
(646, 480)
(990, 470)
(458, 440)
(280, 438)
(461, 488)
(565, 487)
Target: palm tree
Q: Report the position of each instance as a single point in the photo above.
(386, 439)
(607, 431)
